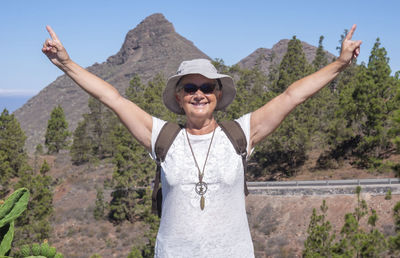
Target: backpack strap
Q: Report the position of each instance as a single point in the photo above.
(164, 141)
(237, 137)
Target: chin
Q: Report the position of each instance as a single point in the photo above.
(199, 112)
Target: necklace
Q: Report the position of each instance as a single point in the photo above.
(201, 187)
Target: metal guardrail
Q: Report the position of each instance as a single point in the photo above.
(350, 182)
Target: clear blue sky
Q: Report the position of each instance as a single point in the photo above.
(91, 31)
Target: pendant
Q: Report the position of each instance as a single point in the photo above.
(201, 189)
(202, 200)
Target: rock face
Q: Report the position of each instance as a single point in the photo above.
(267, 58)
(150, 48)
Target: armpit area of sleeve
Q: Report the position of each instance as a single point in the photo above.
(157, 126)
(244, 122)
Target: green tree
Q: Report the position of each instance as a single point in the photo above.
(57, 131)
(319, 242)
(99, 209)
(81, 145)
(285, 150)
(366, 103)
(39, 149)
(293, 66)
(92, 139)
(34, 225)
(250, 87)
(355, 240)
(320, 59)
(13, 159)
(101, 122)
(394, 241)
(44, 168)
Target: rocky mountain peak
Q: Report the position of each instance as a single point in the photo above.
(266, 58)
(148, 33)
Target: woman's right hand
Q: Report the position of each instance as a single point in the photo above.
(54, 50)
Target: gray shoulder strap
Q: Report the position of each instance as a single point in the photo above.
(237, 137)
(165, 138)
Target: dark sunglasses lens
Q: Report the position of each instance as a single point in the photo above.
(207, 88)
(190, 88)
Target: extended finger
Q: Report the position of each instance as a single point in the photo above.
(51, 32)
(351, 32)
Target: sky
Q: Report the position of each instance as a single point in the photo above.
(91, 31)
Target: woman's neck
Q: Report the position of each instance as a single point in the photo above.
(198, 127)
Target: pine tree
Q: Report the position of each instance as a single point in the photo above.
(250, 93)
(99, 209)
(366, 103)
(319, 242)
(324, 103)
(320, 59)
(293, 66)
(34, 225)
(92, 139)
(81, 149)
(57, 131)
(13, 159)
(44, 168)
(286, 149)
(394, 241)
(355, 240)
(100, 122)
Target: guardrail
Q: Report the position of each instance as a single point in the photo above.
(348, 182)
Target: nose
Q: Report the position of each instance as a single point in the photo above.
(198, 93)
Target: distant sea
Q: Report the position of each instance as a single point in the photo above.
(12, 103)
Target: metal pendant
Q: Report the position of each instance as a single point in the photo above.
(201, 188)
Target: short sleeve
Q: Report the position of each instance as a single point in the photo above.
(244, 122)
(157, 126)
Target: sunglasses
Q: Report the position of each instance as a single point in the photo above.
(206, 88)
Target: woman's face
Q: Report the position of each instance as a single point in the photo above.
(197, 104)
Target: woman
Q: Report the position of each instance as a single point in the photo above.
(198, 223)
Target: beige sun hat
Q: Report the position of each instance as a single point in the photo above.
(205, 68)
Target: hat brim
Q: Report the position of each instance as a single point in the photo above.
(228, 91)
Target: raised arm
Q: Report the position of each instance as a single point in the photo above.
(138, 122)
(267, 118)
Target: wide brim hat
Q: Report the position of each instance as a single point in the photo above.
(203, 67)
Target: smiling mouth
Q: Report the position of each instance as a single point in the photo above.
(199, 104)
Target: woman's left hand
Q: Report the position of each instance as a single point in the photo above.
(350, 48)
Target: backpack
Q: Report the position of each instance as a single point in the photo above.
(168, 134)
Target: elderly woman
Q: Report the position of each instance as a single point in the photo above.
(217, 225)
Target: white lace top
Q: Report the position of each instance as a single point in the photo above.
(221, 229)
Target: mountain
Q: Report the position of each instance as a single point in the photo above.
(267, 58)
(150, 48)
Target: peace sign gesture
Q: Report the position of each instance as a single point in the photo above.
(54, 50)
(350, 48)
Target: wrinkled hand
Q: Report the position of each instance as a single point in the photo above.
(350, 48)
(54, 50)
